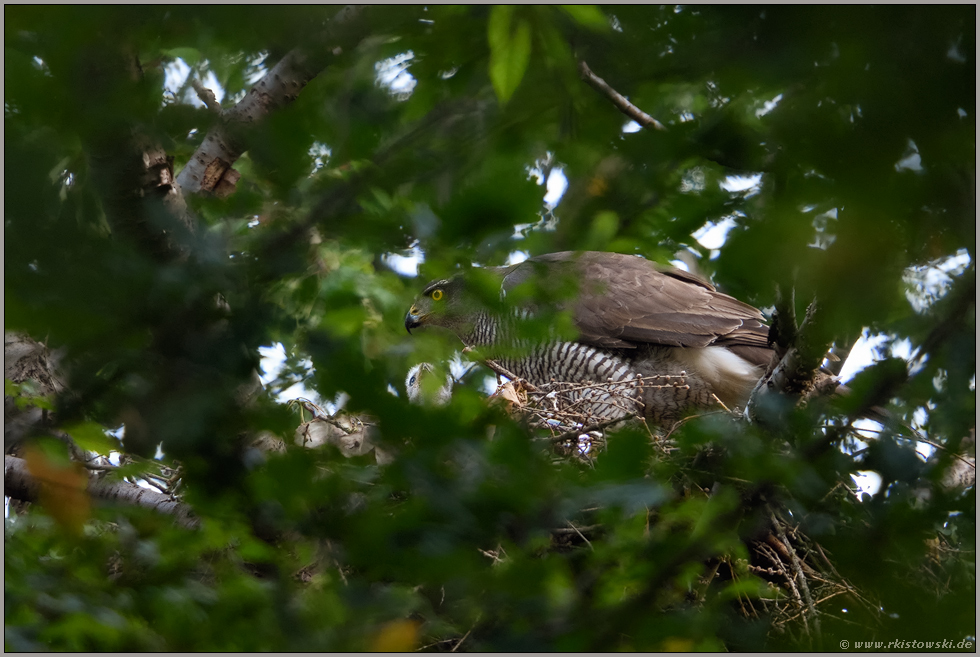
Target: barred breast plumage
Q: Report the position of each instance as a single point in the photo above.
(651, 340)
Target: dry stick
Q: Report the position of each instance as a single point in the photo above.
(786, 553)
(624, 106)
(572, 529)
(460, 642)
(797, 570)
(489, 553)
(774, 557)
(434, 643)
(688, 419)
(918, 437)
(823, 599)
(581, 535)
(740, 597)
(710, 578)
(599, 426)
(853, 591)
(500, 369)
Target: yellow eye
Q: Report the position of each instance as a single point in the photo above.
(436, 295)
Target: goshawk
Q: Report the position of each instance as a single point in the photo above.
(651, 340)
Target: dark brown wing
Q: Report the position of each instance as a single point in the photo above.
(625, 301)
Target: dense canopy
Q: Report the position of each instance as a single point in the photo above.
(189, 189)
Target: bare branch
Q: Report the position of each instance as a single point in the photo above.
(20, 484)
(207, 96)
(209, 169)
(624, 106)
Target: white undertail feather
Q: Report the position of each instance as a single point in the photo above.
(730, 376)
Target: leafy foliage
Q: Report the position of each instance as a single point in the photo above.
(856, 125)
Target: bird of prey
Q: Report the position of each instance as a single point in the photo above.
(651, 340)
(420, 392)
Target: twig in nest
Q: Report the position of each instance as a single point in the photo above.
(688, 419)
(720, 403)
(500, 369)
(599, 426)
(774, 557)
(798, 572)
(581, 535)
(572, 529)
(624, 106)
(490, 553)
(303, 402)
(460, 642)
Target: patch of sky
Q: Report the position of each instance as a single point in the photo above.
(556, 184)
(919, 419)
(927, 284)
(271, 367)
(210, 81)
(320, 154)
(822, 222)
(631, 127)
(871, 348)
(867, 481)
(176, 75)
(256, 68)
(42, 66)
(406, 262)
(768, 106)
(517, 257)
(548, 222)
(392, 74)
(747, 185)
(714, 234)
(910, 161)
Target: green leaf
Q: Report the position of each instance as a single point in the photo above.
(588, 16)
(92, 437)
(510, 50)
(25, 395)
(603, 229)
(191, 56)
(10, 388)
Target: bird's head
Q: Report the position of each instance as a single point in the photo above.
(442, 303)
(424, 387)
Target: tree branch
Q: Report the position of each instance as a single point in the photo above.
(624, 106)
(20, 484)
(795, 368)
(209, 169)
(207, 96)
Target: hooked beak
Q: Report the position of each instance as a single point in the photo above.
(412, 319)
